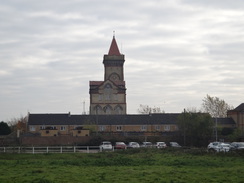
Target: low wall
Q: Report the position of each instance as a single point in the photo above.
(53, 141)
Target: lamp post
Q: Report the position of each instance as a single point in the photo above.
(242, 125)
(216, 130)
(216, 124)
(96, 122)
(184, 127)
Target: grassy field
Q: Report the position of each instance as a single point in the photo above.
(141, 165)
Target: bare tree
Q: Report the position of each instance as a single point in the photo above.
(145, 109)
(216, 107)
(18, 124)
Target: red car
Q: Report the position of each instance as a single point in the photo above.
(120, 145)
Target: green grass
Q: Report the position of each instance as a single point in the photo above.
(142, 165)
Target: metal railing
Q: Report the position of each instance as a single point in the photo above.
(50, 149)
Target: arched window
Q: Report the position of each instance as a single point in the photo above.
(118, 109)
(108, 92)
(107, 109)
(98, 109)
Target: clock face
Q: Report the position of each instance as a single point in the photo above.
(114, 77)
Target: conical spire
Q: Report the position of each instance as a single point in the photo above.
(114, 50)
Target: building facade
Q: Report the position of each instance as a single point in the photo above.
(108, 97)
(237, 115)
(85, 125)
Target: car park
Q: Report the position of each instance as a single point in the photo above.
(120, 145)
(174, 144)
(160, 145)
(106, 145)
(133, 145)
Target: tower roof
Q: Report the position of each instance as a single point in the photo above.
(114, 50)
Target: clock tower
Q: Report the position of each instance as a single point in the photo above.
(114, 63)
(109, 96)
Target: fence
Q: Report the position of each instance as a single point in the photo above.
(51, 149)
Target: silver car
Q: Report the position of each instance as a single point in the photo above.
(133, 145)
(161, 145)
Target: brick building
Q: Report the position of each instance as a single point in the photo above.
(109, 96)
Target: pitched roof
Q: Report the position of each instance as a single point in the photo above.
(129, 119)
(225, 121)
(114, 50)
(239, 108)
(67, 119)
(96, 82)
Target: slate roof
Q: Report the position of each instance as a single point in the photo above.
(131, 119)
(67, 119)
(239, 108)
(225, 121)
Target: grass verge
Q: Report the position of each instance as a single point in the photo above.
(140, 165)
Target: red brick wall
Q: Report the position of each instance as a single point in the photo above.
(52, 141)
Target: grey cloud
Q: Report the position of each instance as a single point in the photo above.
(176, 52)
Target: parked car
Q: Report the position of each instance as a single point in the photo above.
(237, 146)
(120, 145)
(174, 144)
(224, 147)
(213, 145)
(218, 147)
(133, 145)
(106, 145)
(147, 144)
(161, 145)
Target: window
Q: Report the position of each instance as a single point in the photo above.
(167, 127)
(100, 97)
(32, 128)
(107, 109)
(107, 91)
(62, 128)
(42, 127)
(98, 109)
(118, 128)
(157, 128)
(118, 109)
(143, 128)
(102, 128)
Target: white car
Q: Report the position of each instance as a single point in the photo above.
(218, 147)
(237, 146)
(174, 144)
(133, 145)
(106, 145)
(161, 145)
(224, 147)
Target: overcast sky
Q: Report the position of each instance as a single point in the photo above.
(176, 52)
